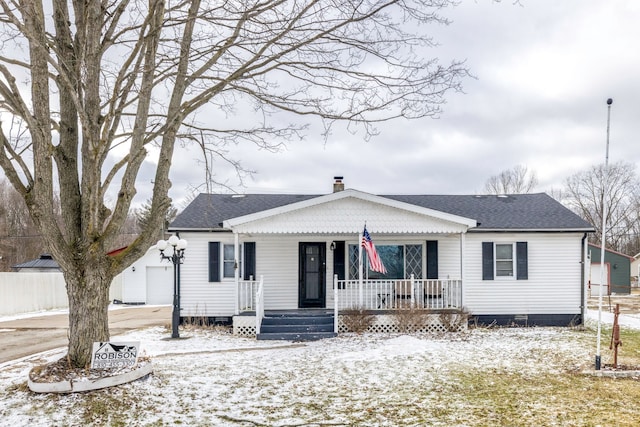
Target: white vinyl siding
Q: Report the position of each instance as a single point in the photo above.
(554, 276)
(448, 257)
(199, 297)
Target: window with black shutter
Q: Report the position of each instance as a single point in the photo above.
(487, 261)
(214, 261)
(339, 266)
(522, 258)
(432, 259)
(249, 260)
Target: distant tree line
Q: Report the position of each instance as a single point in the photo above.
(584, 194)
(21, 242)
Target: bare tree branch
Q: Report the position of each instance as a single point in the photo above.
(584, 194)
(518, 180)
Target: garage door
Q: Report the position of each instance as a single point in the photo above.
(160, 285)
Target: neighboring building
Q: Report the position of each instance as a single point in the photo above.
(635, 270)
(44, 264)
(617, 271)
(505, 259)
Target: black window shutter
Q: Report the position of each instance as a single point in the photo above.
(487, 260)
(214, 261)
(249, 260)
(338, 259)
(522, 261)
(432, 259)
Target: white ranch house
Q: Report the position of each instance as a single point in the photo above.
(505, 259)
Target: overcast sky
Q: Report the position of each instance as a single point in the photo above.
(544, 70)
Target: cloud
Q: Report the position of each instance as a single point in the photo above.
(543, 69)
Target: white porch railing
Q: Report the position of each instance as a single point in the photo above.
(373, 295)
(398, 294)
(247, 291)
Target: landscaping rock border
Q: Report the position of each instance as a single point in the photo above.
(613, 373)
(82, 385)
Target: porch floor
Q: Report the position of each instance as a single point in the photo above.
(292, 312)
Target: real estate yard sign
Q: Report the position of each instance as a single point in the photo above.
(114, 354)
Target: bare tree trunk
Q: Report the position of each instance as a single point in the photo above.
(88, 292)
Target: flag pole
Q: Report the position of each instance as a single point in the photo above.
(605, 179)
(360, 293)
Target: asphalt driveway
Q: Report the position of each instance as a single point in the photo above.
(24, 337)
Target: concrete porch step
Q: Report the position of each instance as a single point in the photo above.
(270, 328)
(297, 325)
(296, 336)
(298, 320)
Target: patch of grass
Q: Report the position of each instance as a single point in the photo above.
(628, 352)
(112, 407)
(22, 387)
(501, 398)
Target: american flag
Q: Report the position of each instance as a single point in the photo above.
(375, 263)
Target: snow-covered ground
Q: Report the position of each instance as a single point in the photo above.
(214, 378)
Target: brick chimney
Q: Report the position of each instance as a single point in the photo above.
(338, 185)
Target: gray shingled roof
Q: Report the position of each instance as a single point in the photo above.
(45, 261)
(513, 212)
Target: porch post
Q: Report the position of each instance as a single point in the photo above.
(413, 297)
(335, 303)
(236, 271)
(462, 267)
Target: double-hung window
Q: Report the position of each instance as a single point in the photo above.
(228, 261)
(504, 260)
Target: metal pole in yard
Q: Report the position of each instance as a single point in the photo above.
(604, 234)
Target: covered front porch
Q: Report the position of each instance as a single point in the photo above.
(310, 255)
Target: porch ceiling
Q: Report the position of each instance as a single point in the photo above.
(347, 215)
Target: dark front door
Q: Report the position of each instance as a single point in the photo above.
(311, 275)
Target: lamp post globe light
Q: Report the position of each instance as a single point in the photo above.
(176, 257)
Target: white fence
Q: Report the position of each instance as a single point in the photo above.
(29, 292)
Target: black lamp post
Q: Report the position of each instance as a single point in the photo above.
(178, 245)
